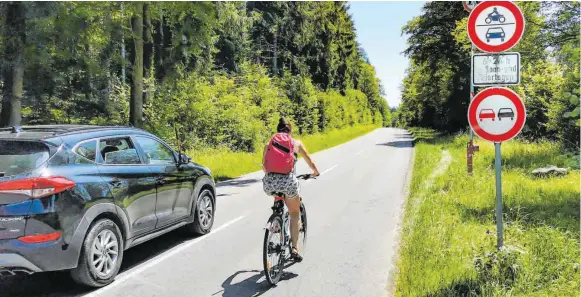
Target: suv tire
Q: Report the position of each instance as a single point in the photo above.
(204, 206)
(88, 274)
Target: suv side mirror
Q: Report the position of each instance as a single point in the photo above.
(184, 159)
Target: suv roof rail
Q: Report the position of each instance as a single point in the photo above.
(59, 129)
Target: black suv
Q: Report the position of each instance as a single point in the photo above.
(75, 197)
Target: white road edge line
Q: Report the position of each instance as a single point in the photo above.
(123, 277)
(329, 169)
(310, 180)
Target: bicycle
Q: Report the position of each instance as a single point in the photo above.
(278, 227)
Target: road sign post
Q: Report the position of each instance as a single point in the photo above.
(497, 115)
(497, 164)
(495, 27)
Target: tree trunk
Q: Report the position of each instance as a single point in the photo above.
(147, 50)
(275, 54)
(136, 107)
(15, 36)
(157, 51)
(7, 93)
(123, 53)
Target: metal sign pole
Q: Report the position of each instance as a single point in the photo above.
(497, 163)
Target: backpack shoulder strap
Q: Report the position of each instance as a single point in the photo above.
(280, 146)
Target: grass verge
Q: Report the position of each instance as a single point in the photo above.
(226, 164)
(449, 233)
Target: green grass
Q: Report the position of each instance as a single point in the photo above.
(226, 164)
(449, 234)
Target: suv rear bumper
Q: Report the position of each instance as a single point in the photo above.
(39, 257)
(13, 264)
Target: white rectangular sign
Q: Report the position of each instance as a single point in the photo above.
(496, 69)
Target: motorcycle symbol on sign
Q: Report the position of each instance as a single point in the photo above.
(494, 16)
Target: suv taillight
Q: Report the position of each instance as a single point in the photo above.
(37, 187)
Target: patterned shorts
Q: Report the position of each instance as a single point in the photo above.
(288, 184)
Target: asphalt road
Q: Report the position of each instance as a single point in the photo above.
(354, 209)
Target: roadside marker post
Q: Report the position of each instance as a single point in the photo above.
(470, 148)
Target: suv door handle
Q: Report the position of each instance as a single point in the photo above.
(160, 180)
(116, 183)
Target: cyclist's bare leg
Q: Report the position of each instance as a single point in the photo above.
(294, 209)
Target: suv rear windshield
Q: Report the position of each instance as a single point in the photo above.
(18, 157)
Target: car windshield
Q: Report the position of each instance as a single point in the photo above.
(18, 157)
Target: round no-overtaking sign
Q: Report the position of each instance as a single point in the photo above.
(497, 114)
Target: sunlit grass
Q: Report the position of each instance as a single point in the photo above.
(449, 235)
(226, 164)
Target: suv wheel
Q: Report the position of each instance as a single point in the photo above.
(101, 255)
(203, 214)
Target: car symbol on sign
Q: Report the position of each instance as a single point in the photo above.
(486, 114)
(495, 33)
(506, 113)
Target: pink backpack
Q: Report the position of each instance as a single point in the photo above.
(279, 157)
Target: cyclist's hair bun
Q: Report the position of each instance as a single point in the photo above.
(284, 125)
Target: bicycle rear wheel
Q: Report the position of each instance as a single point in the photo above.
(302, 242)
(272, 259)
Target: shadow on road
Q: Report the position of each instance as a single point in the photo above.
(238, 182)
(398, 143)
(59, 284)
(55, 284)
(254, 285)
(224, 195)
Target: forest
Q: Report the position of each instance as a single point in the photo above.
(435, 91)
(221, 73)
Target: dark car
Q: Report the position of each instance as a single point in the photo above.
(76, 197)
(505, 113)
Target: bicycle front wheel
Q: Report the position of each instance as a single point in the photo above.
(272, 250)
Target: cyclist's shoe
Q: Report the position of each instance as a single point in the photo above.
(295, 255)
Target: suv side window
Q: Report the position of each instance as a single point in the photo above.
(118, 150)
(87, 150)
(155, 152)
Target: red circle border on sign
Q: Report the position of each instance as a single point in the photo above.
(466, 7)
(519, 22)
(513, 97)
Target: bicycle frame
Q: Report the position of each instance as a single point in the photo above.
(281, 208)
